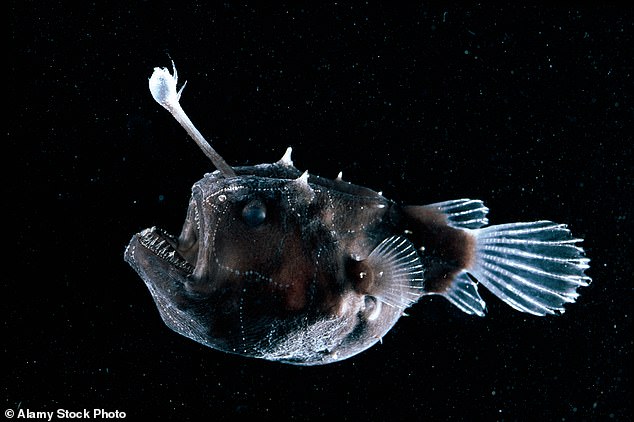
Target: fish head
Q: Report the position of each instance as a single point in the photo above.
(261, 266)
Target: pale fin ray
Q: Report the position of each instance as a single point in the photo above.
(564, 254)
(534, 267)
(463, 213)
(463, 294)
(513, 297)
(396, 259)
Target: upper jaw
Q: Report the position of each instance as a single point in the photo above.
(152, 255)
(165, 247)
(168, 251)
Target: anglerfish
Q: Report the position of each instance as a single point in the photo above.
(278, 264)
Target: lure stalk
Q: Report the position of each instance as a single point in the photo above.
(163, 88)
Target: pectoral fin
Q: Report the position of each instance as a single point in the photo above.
(393, 273)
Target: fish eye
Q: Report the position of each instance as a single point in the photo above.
(254, 213)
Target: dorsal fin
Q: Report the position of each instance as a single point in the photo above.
(463, 213)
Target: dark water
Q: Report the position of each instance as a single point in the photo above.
(527, 108)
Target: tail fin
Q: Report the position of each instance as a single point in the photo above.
(533, 267)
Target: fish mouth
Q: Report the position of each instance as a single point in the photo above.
(165, 246)
(155, 251)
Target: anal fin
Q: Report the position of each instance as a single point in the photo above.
(463, 293)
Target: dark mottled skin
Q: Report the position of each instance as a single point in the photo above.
(447, 249)
(279, 265)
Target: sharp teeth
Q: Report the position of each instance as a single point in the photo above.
(154, 240)
(197, 219)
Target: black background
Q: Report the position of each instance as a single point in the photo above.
(527, 108)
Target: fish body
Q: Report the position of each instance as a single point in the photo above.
(278, 264)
